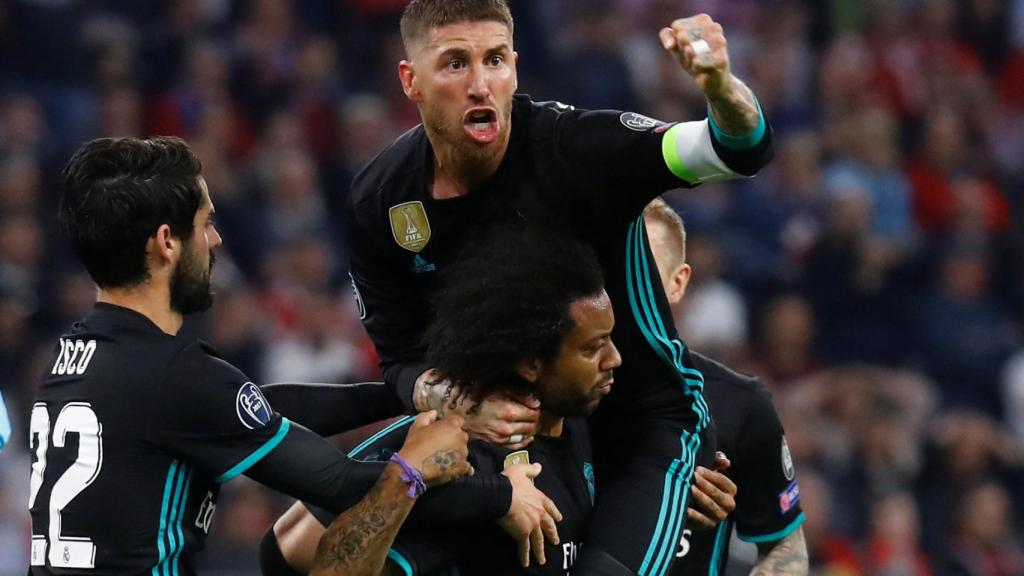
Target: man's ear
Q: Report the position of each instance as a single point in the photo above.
(677, 283)
(530, 370)
(162, 248)
(407, 76)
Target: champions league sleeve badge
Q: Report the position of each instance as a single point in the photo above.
(251, 406)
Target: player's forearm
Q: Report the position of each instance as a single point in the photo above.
(734, 108)
(357, 542)
(401, 378)
(329, 409)
(786, 557)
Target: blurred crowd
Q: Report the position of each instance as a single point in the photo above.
(872, 276)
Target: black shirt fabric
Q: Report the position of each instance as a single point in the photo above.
(768, 496)
(132, 432)
(484, 549)
(591, 173)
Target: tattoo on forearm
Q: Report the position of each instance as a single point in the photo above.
(735, 110)
(359, 533)
(788, 557)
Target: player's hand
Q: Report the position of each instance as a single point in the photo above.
(699, 45)
(532, 515)
(714, 496)
(437, 448)
(502, 419)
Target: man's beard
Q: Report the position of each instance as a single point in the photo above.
(190, 284)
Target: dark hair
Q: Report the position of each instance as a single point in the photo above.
(422, 15)
(117, 192)
(505, 302)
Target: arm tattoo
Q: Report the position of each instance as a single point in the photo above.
(786, 557)
(357, 542)
(443, 462)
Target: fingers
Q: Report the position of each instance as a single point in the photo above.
(552, 510)
(524, 551)
(697, 42)
(424, 419)
(725, 485)
(722, 462)
(697, 521)
(537, 544)
(530, 401)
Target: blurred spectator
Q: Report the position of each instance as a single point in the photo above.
(893, 548)
(831, 553)
(966, 335)
(986, 543)
(786, 333)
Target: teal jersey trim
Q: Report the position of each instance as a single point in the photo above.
(181, 514)
(774, 536)
(258, 455)
(675, 495)
(172, 510)
(397, 558)
(5, 424)
(172, 474)
(387, 430)
(740, 143)
(721, 540)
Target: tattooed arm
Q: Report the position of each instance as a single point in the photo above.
(786, 557)
(357, 542)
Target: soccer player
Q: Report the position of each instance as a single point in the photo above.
(483, 155)
(497, 329)
(135, 426)
(747, 430)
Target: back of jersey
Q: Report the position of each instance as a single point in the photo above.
(102, 491)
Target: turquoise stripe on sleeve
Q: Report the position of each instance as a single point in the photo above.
(181, 515)
(5, 423)
(774, 536)
(396, 557)
(740, 143)
(164, 508)
(169, 568)
(387, 430)
(720, 541)
(258, 455)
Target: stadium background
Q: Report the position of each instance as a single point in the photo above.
(872, 275)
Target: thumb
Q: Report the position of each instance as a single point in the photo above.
(424, 419)
(668, 38)
(533, 471)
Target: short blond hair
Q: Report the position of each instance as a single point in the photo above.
(658, 211)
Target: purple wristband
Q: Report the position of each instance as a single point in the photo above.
(410, 476)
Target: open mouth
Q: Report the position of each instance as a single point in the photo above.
(481, 124)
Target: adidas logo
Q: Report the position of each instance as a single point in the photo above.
(419, 265)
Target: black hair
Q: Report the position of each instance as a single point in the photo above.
(117, 192)
(505, 303)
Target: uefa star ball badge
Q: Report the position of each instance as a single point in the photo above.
(409, 225)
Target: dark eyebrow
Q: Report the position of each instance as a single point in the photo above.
(503, 47)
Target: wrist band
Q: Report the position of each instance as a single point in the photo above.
(410, 476)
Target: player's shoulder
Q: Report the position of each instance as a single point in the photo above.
(197, 363)
(391, 172)
(720, 376)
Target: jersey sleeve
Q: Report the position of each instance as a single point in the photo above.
(212, 415)
(628, 159)
(419, 551)
(768, 500)
(391, 310)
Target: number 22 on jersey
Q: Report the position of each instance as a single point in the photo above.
(75, 418)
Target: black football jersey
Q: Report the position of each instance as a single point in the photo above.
(768, 496)
(132, 432)
(485, 550)
(590, 172)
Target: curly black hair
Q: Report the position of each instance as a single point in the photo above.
(504, 303)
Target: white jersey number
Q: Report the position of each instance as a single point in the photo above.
(76, 418)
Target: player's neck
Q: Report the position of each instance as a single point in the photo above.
(456, 174)
(153, 302)
(550, 424)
